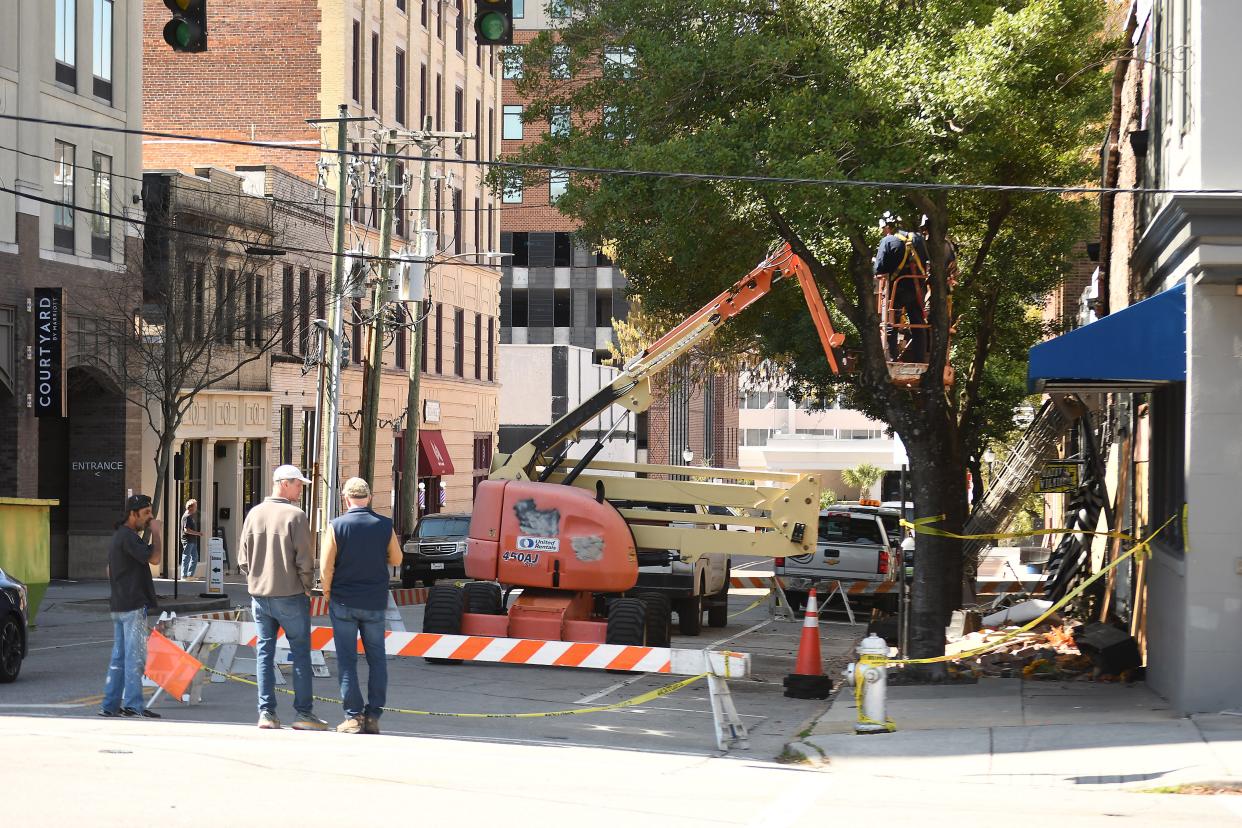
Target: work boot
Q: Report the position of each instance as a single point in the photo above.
(309, 721)
(353, 724)
(268, 721)
(370, 724)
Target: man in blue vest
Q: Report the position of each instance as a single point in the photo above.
(357, 551)
(903, 253)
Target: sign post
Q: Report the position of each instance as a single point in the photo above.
(215, 568)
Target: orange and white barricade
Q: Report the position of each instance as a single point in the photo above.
(755, 579)
(716, 665)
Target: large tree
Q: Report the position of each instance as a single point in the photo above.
(944, 91)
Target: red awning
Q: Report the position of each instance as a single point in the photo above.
(433, 455)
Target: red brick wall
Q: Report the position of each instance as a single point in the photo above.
(258, 80)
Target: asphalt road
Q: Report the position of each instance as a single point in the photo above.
(63, 677)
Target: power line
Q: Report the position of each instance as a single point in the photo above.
(363, 255)
(843, 183)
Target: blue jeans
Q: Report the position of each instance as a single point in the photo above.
(123, 686)
(347, 622)
(292, 613)
(189, 560)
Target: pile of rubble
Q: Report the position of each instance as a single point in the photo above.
(1052, 651)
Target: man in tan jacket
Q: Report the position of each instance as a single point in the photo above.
(277, 555)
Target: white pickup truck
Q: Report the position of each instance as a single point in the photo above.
(856, 543)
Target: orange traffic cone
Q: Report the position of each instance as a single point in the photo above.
(808, 681)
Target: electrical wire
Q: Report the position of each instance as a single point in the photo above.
(843, 183)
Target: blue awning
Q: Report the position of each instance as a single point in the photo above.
(1134, 349)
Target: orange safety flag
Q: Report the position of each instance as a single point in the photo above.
(169, 666)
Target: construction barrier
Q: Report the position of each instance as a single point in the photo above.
(778, 603)
(717, 666)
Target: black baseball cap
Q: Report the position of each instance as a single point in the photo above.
(136, 503)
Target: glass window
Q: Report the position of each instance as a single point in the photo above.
(460, 35)
(64, 194)
(399, 81)
(511, 127)
(101, 203)
(558, 123)
(443, 527)
(520, 308)
(102, 60)
(285, 447)
(511, 62)
(562, 308)
(603, 308)
(619, 60)
(356, 77)
(560, 62)
(375, 71)
(558, 183)
(557, 10)
(834, 528)
(519, 9)
(66, 41)
(865, 530)
(252, 474)
(513, 188)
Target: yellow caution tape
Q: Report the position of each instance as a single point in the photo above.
(922, 526)
(757, 602)
(631, 702)
(1143, 547)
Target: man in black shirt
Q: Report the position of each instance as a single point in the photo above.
(132, 599)
(190, 536)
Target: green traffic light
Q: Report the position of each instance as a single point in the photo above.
(182, 35)
(492, 26)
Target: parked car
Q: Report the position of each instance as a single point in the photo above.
(436, 550)
(855, 544)
(13, 615)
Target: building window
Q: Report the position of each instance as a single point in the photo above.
(226, 305)
(511, 126)
(560, 62)
(562, 249)
(193, 293)
(456, 221)
(491, 133)
(439, 100)
(375, 72)
(511, 61)
(482, 458)
(422, 96)
(491, 350)
(399, 81)
(558, 122)
(562, 308)
(439, 338)
(286, 332)
(356, 77)
(512, 193)
(440, 19)
(425, 337)
(521, 250)
(102, 61)
(619, 61)
(1167, 464)
(1187, 66)
(252, 475)
(520, 308)
(255, 299)
(67, 42)
(459, 110)
(603, 308)
(478, 346)
(459, 342)
(64, 194)
(192, 482)
(478, 227)
(101, 203)
(399, 204)
(422, 17)
(356, 345)
(478, 130)
(304, 318)
(558, 183)
(400, 339)
(285, 446)
(461, 30)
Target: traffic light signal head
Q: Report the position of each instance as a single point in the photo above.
(187, 31)
(493, 22)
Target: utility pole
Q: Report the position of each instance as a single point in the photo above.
(428, 141)
(327, 410)
(373, 370)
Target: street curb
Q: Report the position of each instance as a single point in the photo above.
(805, 753)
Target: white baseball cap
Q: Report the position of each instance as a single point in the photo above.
(288, 473)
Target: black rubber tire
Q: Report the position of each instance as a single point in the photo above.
(408, 580)
(627, 622)
(690, 615)
(428, 582)
(718, 610)
(442, 615)
(484, 598)
(10, 650)
(659, 618)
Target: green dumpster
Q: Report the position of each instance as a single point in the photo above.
(25, 547)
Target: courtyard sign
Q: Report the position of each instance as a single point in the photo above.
(49, 353)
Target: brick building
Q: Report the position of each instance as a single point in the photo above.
(66, 430)
(402, 63)
(557, 292)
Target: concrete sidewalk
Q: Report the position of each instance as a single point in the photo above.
(1075, 735)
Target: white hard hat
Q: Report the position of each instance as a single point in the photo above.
(889, 219)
